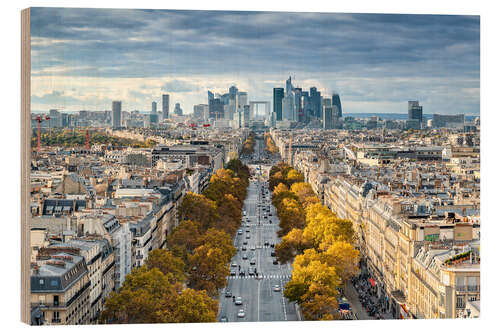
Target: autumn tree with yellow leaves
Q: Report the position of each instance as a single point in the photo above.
(321, 244)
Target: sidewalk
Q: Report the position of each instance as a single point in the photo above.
(352, 297)
(356, 306)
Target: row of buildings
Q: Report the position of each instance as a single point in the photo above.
(414, 200)
(97, 214)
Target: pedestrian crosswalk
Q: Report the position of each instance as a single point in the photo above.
(276, 276)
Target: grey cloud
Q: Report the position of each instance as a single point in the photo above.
(178, 86)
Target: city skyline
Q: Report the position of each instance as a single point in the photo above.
(135, 56)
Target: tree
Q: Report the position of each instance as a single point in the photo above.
(291, 216)
(184, 239)
(195, 306)
(304, 193)
(214, 238)
(196, 207)
(144, 297)
(229, 212)
(293, 176)
(344, 257)
(208, 269)
(320, 307)
(168, 264)
(313, 278)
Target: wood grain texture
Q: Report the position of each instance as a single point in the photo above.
(25, 163)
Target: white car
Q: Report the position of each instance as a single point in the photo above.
(277, 287)
(238, 301)
(241, 313)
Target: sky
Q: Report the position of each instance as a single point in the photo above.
(83, 59)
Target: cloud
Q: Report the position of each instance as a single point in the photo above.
(362, 56)
(55, 97)
(178, 86)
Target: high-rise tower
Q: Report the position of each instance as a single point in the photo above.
(165, 99)
(116, 114)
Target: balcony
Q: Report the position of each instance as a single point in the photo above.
(461, 288)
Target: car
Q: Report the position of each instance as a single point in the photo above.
(238, 301)
(252, 262)
(272, 245)
(273, 254)
(266, 243)
(247, 237)
(276, 287)
(250, 272)
(233, 272)
(245, 243)
(223, 319)
(248, 230)
(275, 262)
(243, 248)
(240, 232)
(242, 273)
(241, 313)
(245, 257)
(252, 248)
(228, 293)
(233, 264)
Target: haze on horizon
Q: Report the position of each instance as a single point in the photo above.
(82, 59)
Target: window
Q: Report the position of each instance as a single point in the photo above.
(56, 300)
(42, 281)
(472, 298)
(460, 302)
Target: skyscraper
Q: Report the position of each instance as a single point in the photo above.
(315, 102)
(298, 110)
(199, 111)
(327, 116)
(153, 108)
(414, 111)
(336, 102)
(278, 95)
(210, 95)
(177, 109)
(216, 109)
(165, 98)
(116, 114)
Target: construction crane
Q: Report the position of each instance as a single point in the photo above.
(39, 120)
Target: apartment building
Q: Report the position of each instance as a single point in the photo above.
(60, 286)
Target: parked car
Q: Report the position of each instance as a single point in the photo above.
(233, 272)
(252, 262)
(238, 301)
(228, 293)
(273, 254)
(240, 232)
(241, 313)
